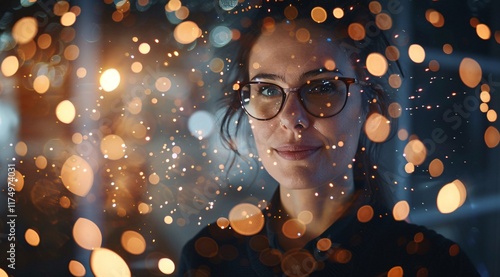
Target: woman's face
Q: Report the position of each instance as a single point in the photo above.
(297, 149)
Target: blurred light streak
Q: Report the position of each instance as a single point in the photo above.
(488, 63)
(9, 123)
(85, 95)
(395, 174)
(477, 207)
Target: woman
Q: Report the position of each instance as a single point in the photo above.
(306, 95)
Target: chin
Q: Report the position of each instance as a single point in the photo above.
(294, 181)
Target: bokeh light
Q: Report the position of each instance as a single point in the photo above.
(392, 53)
(491, 115)
(447, 48)
(41, 84)
(451, 197)
(376, 64)
(41, 162)
(470, 72)
(32, 238)
(415, 152)
(416, 53)
(44, 41)
(298, 257)
(319, 14)
(377, 127)
(220, 36)
(187, 32)
(113, 147)
(65, 202)
(409, 168)
(144, 48)
(375, 7)
(105, 262)
(173, 5)
(228, 5)
(87, 234)
(324, 244)
(136, 67)
(302, 35)
(246, 219)
(435, 18)
(166, 266)
(436, 168)
(60, 8)
(25, 30)
(293, 229)
(401, 210)
(394, 110)
(68, 19)
(403, 134)
(168, 219)
(396, 271)
(338, 13)
(77, 175)
(110, 79)
(10, 65)
(72, 52)
(356, 31)
(163, 84)
(222, 222)
(66, 111)
(144, 208)
(305, 217)
(216, 65)
(290, 12)
(492, 137)
(206, 247)
(201, 124)
(76, 268)
(133, 242)
(483, 31)
(21, 148)
(81, 72)
(182, 13)
(383, 21)
(365, 213)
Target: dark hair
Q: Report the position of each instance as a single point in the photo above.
(374, 95)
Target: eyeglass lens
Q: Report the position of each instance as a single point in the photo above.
(321, 98)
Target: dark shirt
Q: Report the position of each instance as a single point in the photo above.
(381, 246)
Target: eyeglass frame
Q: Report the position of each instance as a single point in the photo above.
(285, 91)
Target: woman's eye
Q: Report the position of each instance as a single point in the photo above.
(270, 91)
(324, 88)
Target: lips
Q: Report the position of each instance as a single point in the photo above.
(296, 152)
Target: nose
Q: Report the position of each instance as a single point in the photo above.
(293, 115)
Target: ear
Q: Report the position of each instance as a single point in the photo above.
(371, 102)
(376, 100)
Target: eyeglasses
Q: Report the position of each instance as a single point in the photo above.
(321, 98)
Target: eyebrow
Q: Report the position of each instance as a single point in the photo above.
(308, 74)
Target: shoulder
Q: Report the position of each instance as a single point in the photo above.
(419, 249)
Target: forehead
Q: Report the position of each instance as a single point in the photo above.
(290, 50)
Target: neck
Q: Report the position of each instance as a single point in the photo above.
(326, 204)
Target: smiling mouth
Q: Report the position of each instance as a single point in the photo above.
(296, 153)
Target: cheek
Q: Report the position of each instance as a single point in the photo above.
(261, 131)
(346, 127)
